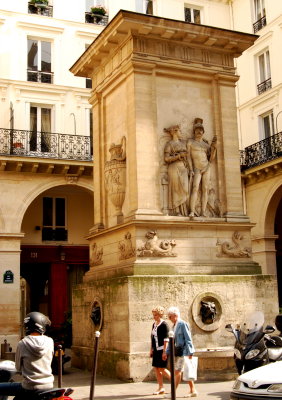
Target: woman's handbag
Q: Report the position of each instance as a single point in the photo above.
(190, 368)
(178, 351)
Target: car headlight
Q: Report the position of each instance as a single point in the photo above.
(252, 354)
(237, 353)
(237, 384)
(276, 388)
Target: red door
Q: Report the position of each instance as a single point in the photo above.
(58, 294)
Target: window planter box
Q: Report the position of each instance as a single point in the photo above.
(98, 19)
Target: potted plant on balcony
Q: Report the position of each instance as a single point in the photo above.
(39, 3)
(98, 13)
(99, 10)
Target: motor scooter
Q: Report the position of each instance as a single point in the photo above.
(250, 350)
(274, 343)
(8, 370)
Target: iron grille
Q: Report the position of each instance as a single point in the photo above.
(259, 24)
(17, 142)
(264, 86)
(261, 152)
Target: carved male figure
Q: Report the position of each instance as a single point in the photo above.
(199, 157)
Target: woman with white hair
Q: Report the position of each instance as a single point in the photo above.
(183, 347)
(159, 342)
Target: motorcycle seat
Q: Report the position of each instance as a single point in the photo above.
(51, 394)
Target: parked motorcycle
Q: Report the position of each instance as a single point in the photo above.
(250, 350)
(8, 370)
(274, 343)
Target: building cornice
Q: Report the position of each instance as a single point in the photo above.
(68, 168)
(262, 98)
(263, 172)
(132, 28)
(40, 27)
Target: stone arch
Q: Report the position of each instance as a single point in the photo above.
(270, 208)
(41, 188)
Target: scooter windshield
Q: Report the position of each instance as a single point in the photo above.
(252, 328)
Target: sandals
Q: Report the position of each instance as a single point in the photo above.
(160, 391)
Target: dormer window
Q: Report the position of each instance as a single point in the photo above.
(192, 14)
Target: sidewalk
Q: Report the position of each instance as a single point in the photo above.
(110, 389)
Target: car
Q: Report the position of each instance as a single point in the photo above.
(260, 383)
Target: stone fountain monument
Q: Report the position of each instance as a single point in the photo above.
(170, 226)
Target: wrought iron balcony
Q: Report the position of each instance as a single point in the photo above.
(15, 142)
(261, 152)
(98, 19)
(264, 86)
(259, 24)
(40, 9)
(39, 76)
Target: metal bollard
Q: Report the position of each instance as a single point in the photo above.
(94, 369)
(171, 353)
(60, 365)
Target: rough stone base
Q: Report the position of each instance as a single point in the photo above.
(127, 320)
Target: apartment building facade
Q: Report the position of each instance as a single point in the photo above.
(46, 149)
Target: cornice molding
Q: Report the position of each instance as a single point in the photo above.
(156, 36)
(40, 27)
(262, 172)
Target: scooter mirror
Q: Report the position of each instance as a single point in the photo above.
(229, 327)
(269, 329)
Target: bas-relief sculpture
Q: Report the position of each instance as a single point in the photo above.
(235, 249)
(96, 255)
(152, 247)
(115, 175)
(189, 173)
(126, 248)
(208, 312)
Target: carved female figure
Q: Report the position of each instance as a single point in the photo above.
(175, 155)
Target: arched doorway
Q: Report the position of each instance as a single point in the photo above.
(55, 251)
(278, 247)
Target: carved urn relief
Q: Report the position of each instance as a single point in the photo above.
(115, 175)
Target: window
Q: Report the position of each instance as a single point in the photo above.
(88, 80)
(94, 3)
(54, 219)
(40, 127)
(192, 15)
(39, 61)
(267, 125)
(264, 74)
(91, 131)
(144, 6)
(259, 15)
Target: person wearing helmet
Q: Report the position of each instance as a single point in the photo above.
(33, 359)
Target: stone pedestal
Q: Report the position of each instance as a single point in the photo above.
(159, 238)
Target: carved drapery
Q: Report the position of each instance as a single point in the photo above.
(186, 187)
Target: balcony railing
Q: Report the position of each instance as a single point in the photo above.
(264, 86)
(39, 76)
(259, 24)
(40, 9)
(98, 19)
(15, 142)
(261, 152)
